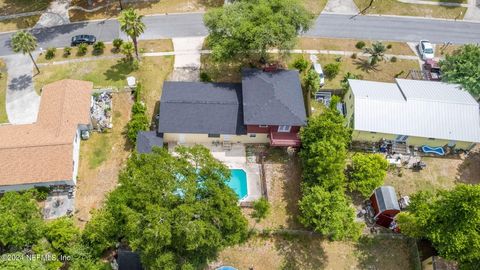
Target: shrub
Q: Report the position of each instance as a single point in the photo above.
(82, 49)
(389, 46)
(204, 77)
(139, 122)
(135, 64)
(50, 53)
(301, 64)
(354, 56)
(127, 49)
(261, 208)
(393, 59)
(367, 172)
(360, 45)
(138, 108)
(67, 51)
(331, 70)
(41, 193)
(98, 47)
(117, 43)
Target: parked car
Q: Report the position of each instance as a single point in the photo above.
(433, 70)
(318, 69)
(79, 39)
(426, 49)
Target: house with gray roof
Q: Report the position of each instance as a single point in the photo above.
(414, 112)
(267, 107)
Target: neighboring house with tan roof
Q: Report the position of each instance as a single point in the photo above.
(46, 153)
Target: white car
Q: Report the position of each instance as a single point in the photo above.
(318, 68)
(426, 49)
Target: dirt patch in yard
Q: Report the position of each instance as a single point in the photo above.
(302, 252)
(469, 170)
(101, 159)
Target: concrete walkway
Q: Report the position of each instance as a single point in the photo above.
(341, 7)
(56, 14)
(22, 101)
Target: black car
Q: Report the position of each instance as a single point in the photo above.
(88, 39)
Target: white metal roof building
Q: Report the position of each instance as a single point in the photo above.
(425, 109)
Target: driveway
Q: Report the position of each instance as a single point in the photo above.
(22, 101)
(341, 7)
(187, 58)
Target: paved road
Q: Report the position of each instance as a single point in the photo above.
(395, 28)
(327, 25)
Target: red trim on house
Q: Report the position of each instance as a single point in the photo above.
(284, 139)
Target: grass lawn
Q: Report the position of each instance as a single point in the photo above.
(101, 159)
(299, 252)
(152, 7)
(3, 93)
(393, 7)
(8, 7)
(336, 44)
(384, 72)
(442, 51)
(283, 177)
(163, 6)
(18, 23)
(144, 46)
(113, 72)
(314, 6)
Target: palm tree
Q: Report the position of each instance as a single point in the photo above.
(24, 42)
(132, 25)
(377, 52)
(127, 50)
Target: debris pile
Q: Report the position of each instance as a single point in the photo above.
(101, 111)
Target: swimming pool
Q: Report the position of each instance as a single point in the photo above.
(238, 182)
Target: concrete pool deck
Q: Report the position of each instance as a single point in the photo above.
(236, 158)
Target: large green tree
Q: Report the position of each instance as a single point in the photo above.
(24, 42)
(176, 211)
(62, 233)
(20, 220)
(323, 154)
(450, 219)
(251, 27)
(367, 172)
(329, 213)
(463, 67)
(132, 25)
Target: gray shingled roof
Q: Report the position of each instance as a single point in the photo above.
(195, 107)
(386, 198)
(146, 140)
(273, 98)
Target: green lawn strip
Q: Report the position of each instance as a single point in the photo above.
(394, 7)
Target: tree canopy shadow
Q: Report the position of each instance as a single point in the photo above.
(20, 83)
(365, 66)
(469, 170)
(119, 71)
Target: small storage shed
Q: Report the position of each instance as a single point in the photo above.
(385, 205)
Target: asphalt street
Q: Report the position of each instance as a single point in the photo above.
(326, 25)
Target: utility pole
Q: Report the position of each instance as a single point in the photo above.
(121, 6)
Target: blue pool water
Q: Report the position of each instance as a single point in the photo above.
(238, 182)
(226, 268)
